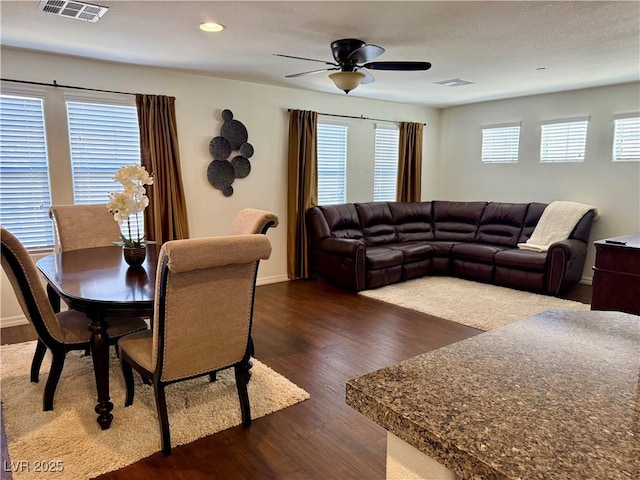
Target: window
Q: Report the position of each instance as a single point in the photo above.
(626, 138)
(103, 135)
(102, 138)
(24, 172)
(563, 141)
(385, 173)
(332, 163)
(500, 144)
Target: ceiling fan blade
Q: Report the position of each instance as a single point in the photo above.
(307, 59)
(293, 75)
(366, 53)
(406, 66)
(368, 78)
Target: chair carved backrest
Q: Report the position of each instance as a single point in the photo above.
(83, 226)
(251, 220)
(28, 288)
(204, 303)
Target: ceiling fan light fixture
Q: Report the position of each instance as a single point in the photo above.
(347, 81)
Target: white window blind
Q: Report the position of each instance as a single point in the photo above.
(626, 138)
(385, 172)
(564, 141)
(102, 138)
(24, 172)
(332, 163)
(500, 144)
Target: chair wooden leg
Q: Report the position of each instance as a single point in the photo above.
(41, 349)
(145, 380)
(242, 378)
(127, 373)
(52, 382)
(212, 377)
(163, 416)
(252, 348)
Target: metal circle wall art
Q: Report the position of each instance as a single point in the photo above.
(233, 137)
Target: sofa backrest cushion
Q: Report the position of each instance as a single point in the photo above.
(413, 220)
(376, 222)
(534, 212)
(456, 221)
(583, 228)
(501, 223)
(342, 220)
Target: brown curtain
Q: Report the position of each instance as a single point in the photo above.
(302, 189)
(409, 162)
(166, 216)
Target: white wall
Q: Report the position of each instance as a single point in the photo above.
(451, 152)
(263, 110)
(614, 188)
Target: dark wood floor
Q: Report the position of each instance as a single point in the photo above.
(318, 336)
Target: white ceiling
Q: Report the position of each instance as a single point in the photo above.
(497, 45)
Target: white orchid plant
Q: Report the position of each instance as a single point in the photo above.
(131, 201)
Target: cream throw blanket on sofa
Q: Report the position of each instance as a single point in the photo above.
(556, 223)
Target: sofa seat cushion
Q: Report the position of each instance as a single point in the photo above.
(441, 249)
(524, 259)
(476, 252)
(413, 251)
(383, 257)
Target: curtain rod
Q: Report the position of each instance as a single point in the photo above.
(361, 117)
(56, 84)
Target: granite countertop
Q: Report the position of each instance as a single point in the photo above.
(555, 395)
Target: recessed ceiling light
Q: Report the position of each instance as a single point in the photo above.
(211, 27)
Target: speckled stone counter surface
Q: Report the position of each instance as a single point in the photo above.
(552, 396)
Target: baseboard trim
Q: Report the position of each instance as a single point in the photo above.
(13, 321)
(586, 280)
(272, 279)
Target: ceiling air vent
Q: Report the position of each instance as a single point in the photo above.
(72, 9)
(454, 82)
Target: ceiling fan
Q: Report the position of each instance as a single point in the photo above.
(352, 60)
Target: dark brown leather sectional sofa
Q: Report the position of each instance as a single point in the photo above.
(365, 245)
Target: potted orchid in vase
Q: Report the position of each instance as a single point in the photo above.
(131, 201)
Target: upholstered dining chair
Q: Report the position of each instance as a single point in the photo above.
(251, 220)
(83, 226)
(57, 332)
(80, 226)
(203, 315)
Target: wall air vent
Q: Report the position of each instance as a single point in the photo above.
(73, 9)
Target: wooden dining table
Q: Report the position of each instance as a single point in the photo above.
(98, 282)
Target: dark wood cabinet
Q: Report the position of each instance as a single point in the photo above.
(616, 274)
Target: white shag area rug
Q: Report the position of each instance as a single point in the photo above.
(68, 441)
(475, 304)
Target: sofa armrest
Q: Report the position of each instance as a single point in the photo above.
(345, 247)
(565, 263)
(341, 260)
(571, 247)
